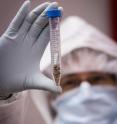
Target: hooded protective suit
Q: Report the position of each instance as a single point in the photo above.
(31, 106)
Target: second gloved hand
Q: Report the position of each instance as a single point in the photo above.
(21, 49)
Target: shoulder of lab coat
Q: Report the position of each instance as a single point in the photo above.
(40, 99)
(22, 110)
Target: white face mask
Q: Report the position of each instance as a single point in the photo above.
(87, 105)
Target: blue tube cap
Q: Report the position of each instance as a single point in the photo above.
(53, 13)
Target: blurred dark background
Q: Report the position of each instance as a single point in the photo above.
(100, 13)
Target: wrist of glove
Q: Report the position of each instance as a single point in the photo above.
(5, 96)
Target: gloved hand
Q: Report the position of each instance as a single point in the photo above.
(21, 49)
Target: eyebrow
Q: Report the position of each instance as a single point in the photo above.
(113, 76)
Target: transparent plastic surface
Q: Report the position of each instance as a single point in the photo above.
(55, 49)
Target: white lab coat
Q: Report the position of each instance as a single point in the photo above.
(29, 108)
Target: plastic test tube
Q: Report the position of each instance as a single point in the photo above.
(54, 15)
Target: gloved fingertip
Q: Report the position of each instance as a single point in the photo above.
(28, 1)
(60, 8)
(58, 89)
(27, 4)
(47, 2)
(55, 3)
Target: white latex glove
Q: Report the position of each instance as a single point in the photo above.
(21, 49)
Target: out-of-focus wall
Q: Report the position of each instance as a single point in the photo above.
(114, 18)
(96, 12)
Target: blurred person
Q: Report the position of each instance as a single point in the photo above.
(89, 82)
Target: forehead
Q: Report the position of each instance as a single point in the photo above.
(85, 60)
(86, 74)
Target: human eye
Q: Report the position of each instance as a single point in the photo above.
(96, 79)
